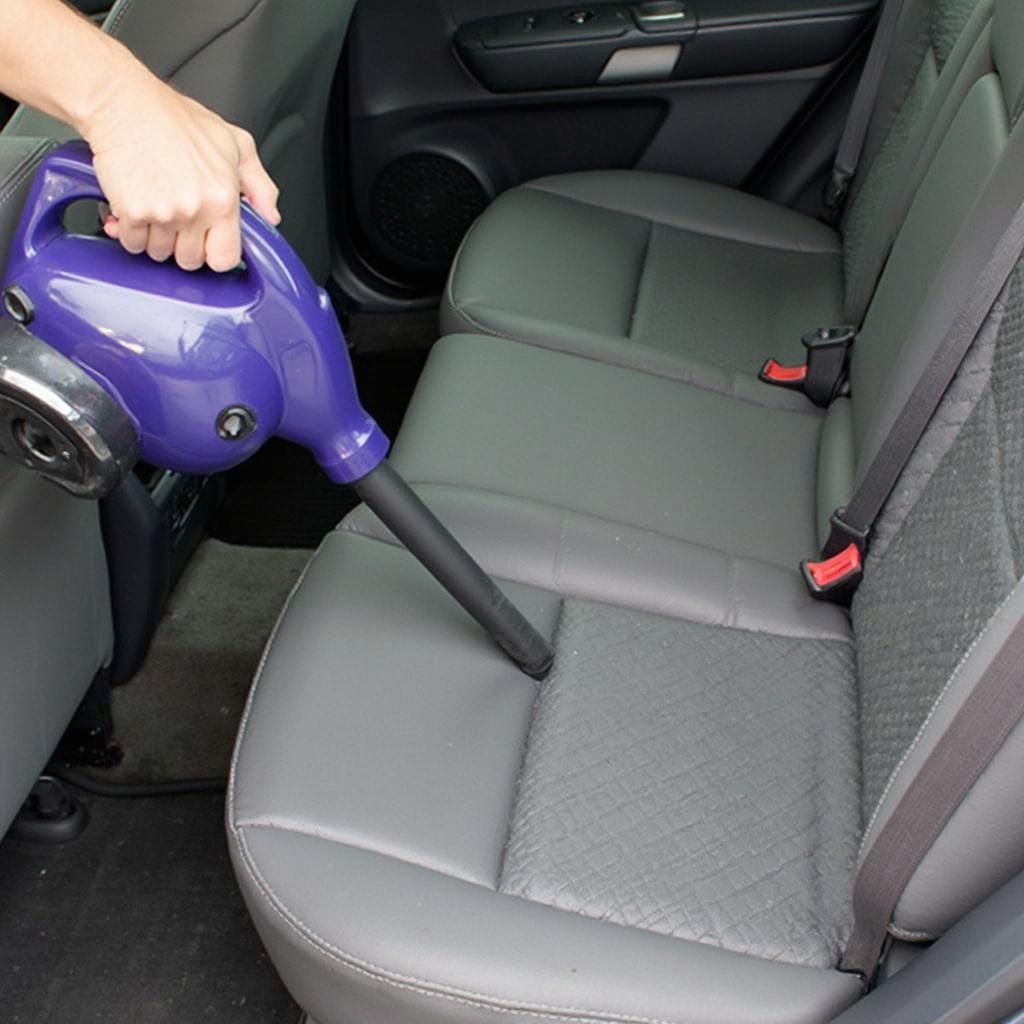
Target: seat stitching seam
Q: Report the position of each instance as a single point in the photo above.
(22, 170)
(421, 986)
(911, 935)
(631, 321)
(463, 311)
(367, 534)
(119, 16)
(703, 231)
(633, 361)
(257, 679)
(517, 789)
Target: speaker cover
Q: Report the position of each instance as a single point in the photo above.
(423, 203)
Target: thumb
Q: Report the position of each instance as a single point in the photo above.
(257, 186)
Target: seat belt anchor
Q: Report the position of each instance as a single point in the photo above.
(835, 192)
(827, 351)
(822, 377)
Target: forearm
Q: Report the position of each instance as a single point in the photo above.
(54, 59)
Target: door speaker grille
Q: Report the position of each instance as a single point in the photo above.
(423, 204)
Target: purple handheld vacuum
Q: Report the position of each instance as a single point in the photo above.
(128, 359)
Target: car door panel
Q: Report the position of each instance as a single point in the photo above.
(429, 143)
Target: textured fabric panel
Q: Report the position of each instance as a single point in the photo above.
(777, 295)
(952, 562)
(970, 384)
(948, 23)
(696, 781)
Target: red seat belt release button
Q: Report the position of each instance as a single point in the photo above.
(833, 578)
(774, 372)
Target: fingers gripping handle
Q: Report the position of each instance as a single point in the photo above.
(67, 175)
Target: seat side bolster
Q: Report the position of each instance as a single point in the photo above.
(958, 872)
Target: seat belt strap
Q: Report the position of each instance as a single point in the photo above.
(853, 523)
(974, 736)
(851, 142)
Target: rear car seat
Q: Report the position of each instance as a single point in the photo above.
(658, 454)
(700, 282)
(668, 828)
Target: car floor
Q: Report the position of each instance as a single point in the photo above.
(139, 919)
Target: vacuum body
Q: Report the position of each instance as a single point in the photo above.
(112, 357)
(207, 366)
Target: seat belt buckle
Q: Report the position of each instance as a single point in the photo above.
(834, 579)
(792, 377)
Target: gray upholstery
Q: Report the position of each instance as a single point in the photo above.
(394, 776)
(631, 268)
(700, 282)
(55, 629)
(597, 830)
(266, 65)
(672, 457)
(629, 447)
(668, 828)
(952, 562)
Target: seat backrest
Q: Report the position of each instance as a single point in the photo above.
(55, 622)
(266, 65)
(942, 579)
(921, 89)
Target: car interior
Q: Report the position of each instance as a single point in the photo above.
(697, 331)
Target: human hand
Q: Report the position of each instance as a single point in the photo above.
(172, 172)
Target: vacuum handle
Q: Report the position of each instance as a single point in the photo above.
(67, 175)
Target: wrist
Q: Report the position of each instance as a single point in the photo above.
(119, 77)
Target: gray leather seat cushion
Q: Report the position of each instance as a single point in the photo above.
(679, 277)
(423, 833)
(633, 448)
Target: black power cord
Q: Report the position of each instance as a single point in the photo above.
(97, 787)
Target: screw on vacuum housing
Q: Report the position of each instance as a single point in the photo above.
(18, 305)
(236, 423)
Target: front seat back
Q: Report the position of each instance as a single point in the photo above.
(266, 65)
(56, 634)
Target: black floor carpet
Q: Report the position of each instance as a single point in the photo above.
(138, 921)
(281, 498)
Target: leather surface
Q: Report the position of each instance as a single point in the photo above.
(594, 559)
(641, 270)
(694, 781)
(629, 447)
(55, 629)
(836, 464)
(264, 64)
(665, 829)
(373, 782)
